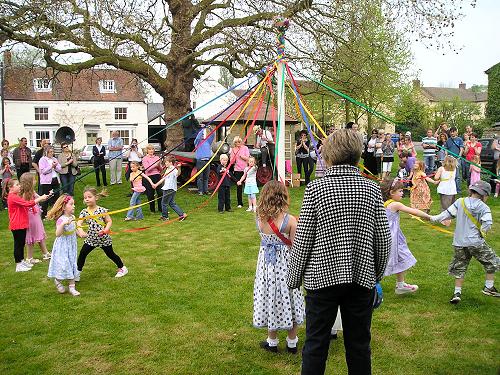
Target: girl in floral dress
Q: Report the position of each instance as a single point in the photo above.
(275, 306)
(420, 194)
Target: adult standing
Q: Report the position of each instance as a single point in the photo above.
(455, 145)
(399, 144)
(239, 157)
(22, 157)
(134, 153)
(379, 153)
(69, 169)
(302, 149)
(190, 128)
(99, 152)
(152, 168)
(203, 143)
(472, 148)
(495, 146)
(44, 143)
(441, 151)
(115, 147)
(340, 267)
(370, 162)
(49, 166)
(443, 128)
(408, 145)
(265, 142)
(429, 144)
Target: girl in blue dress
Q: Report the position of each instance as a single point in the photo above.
(63, 262)
(251, 189)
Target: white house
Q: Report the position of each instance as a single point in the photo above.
(93, 103)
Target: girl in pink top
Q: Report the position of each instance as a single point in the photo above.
(136, 178)
(239, 157)
(153, 169)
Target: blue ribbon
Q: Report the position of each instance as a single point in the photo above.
(270, 250)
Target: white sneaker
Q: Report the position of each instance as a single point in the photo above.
(20, 267)
(77, 276)
(33, 261)
(240, 206)
(47, 256)
(249, 209)
(73, 291)
(26, 263)
(60, 288)
(121, 272)
(406, 288)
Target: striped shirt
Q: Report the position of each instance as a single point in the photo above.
(429, 141)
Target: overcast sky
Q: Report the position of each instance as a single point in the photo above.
(478, 33)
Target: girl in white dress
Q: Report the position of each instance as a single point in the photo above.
(275, 306)
(63, 262)
(447, 189)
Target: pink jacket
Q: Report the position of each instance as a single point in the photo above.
(45, 165)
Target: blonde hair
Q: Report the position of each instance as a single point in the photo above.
(223, 156)
(475, 159)
(92, 190)
(273, 200)
(252, 158)
(343, 146)
(449, 163)
(150, 147)
(419, 167)
(57, 210)
(236, 140)
(27, 182)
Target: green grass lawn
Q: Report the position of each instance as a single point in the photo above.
(186, 305)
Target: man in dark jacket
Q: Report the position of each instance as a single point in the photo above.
(190, 126)
(22, 157)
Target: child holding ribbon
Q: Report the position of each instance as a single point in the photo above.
(99, 225)
(420, 194)
(136, 176)
(63, 262)
(275, 306)
(445, 175)
(250, 178)
(400, 259)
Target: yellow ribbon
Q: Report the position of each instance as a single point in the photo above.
(472, 218)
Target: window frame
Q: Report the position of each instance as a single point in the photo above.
(42, 85)
(41, 113)
(107, 86)
(121, 113)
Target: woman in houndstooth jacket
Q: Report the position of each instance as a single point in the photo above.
(340, 251)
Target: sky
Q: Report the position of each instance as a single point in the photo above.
(478, 33)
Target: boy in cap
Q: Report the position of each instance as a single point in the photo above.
(473, 221)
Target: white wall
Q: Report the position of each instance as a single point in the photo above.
(20, 119)
(206, 90)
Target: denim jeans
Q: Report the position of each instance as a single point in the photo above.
(168, 199)
(136, 199)
(458, 180)
(68, 183)
(429, 163)
(202, 179)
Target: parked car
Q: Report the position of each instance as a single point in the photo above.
(487, 154)
(86, 155)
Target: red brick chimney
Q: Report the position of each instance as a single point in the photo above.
(462, 86)
(7, 58)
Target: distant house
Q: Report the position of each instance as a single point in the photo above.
(434, 95)
(94, 102)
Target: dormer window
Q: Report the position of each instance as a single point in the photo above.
(107, 86)
(42, 85)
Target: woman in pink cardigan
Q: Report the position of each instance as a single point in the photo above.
(49, 179)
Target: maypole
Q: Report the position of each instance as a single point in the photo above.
(281, 24)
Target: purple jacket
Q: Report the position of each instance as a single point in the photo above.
(45, 165)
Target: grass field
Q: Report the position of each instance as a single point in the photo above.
(186, 305)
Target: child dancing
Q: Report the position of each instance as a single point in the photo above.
(98, 231)
(36, 232)
(136, 176)
(275, 306)
(250, 178)
(19, 222)
(475, 171)
(420, 194)
(169, 189)
(400, 258)
(473, 221)
(63, 262)
(445, 175)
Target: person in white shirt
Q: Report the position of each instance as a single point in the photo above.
(265, 142)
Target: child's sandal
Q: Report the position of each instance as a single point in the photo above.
(60, 288)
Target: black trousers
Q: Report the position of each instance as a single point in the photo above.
(108, 250)
(45, 189)
(267, 153)
(321, 310)
(23, 168)
(150, 192)
(224, 196)
(19, 242)
(306, 163)
(370, 162)
(239, 188)
(100, 168)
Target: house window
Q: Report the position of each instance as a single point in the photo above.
(125, 135)
(41, 113)
(91, 137)
(42, 85)
(37, 136)
(107, 86)
(120, 113)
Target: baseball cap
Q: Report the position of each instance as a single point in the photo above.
(481, 187)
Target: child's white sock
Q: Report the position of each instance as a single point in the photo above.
(458, 289)
(272, 342)
(400, 284)
(489, 283)
(292, 343)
